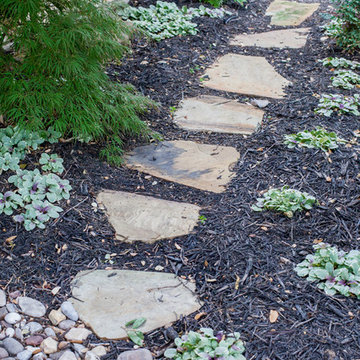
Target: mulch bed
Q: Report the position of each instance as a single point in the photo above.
(257, 249)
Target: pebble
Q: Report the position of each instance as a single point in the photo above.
(91, 356)
(80, 349)
(77, 334)
(68, 309)
(12, 346)
(34, 340)
(34, 327)
(12, 318)
(24, 355)
(99, 350)
(66, 324)
(49, 332)
(68, 355)
(57, 355)
(2, 298)
(140, 354)
(260, 103)
(19, 335)
(39, 356)
(3, 353)
(10, 332)
(63, 345)
(49, 346)
(31, 307)
(56, 316)
(3, 312)
(12, 308)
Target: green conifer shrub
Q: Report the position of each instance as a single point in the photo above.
(52, 71)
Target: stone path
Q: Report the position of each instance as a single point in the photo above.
(106, 299)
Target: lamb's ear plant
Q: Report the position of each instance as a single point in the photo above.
(340, 63)
(51, 163)
(318, 138)
(207, 345)
(345, 79)
(328, 104)
(333, 271)
(284, 200)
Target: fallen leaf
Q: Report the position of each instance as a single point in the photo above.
(55, 290)
(200, 315)
(237, 282)
(273, 316)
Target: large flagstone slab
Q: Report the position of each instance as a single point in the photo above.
(214, 113)
(249, 75)
(145, 218)
(107, 299)
(202, 166)
(287, 38)
(290, 13)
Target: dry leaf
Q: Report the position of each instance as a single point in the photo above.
(200, 315)
(237, 282)
(55, 290)
(273, 316)
(10, 239)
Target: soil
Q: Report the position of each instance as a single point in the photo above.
(242, 261)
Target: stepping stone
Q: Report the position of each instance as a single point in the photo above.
(289, 38)
(249, 75)
(290, 13)
(145, 218)
(107, 299)
(205, 167)
(213, 113)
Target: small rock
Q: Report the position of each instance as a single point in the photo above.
(3, 312)
(80, 349)
(3, 353)
(31, 306)
(77, 334)
(66, 324)
(2, 335)
(99, 350)
(39, 356)
(12, 318)
(49, 332)
(34, 340)
(34, 350)
(12, 308)
(68, 309)
(2, 298)
(34, 327)
(140, 354)
(56, 316)
(57, 330)
(57, 355)
(24, 355)
(49, 346)
(68, 355)
(63, 345)
(260, 103)
(18, 334)
(12, 346)
(10, 332)
(170, 333)
(91, 356)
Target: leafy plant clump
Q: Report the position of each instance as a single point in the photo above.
(342, 104)
(334, 271)
(52, 71)
(345, 28)
(285, 200)
(340, 63)
(345, 79)
(205, 345)
(218, 3)
(51, 163)
(165, 19)
(318, 138)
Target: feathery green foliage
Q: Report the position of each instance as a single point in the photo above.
(52, 59)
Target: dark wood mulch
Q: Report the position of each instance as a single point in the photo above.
(258, 250)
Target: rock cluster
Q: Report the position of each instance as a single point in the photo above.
(26, 333)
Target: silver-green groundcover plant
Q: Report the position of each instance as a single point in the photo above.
(206, 345)
(333, 270)
(284, 200)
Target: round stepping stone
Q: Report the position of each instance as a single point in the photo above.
(213, 113)
(202, 166)
(290, 13)
(145, 218)
(249, 75)
(289, 38)
(107, 299)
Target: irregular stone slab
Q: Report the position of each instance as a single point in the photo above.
(107, 299)
(250, 75)
(289, 38)
(290, 13)
(205, 167)
(213, 113)
(145, 218)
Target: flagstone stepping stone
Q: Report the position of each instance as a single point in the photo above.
(145, 218)
(288, 38)
(249, 75)
(107, 299)
(290, 13)
(202, 166)
(213, 113)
